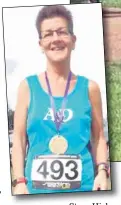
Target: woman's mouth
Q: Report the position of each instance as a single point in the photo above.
(57, 48)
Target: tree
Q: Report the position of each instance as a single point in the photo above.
(84, 1)
(10, 119)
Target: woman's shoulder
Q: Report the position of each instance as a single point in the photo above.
(92, 85)
(24, 84)
(82, 77)
(30, 77)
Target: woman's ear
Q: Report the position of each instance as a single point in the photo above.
(74, 41)
(40, 44)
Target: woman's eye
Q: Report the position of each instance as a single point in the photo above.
(48, 34)
(62, 33)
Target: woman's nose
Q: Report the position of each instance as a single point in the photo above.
(55, 36)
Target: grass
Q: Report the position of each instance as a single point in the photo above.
(113, 79)
(111, 3)
(106, 3)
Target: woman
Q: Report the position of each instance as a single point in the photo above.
(56, 114)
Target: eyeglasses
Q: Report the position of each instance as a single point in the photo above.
(48, 35)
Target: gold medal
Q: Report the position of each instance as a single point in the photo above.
(58, 144)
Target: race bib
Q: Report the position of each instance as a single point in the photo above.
(56, 172)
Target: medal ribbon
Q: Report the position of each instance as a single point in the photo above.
(58, 117)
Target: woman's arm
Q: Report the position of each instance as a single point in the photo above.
(99, 146)
(19, 135)
(98, 138)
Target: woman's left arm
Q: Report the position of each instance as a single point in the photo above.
(99, 146)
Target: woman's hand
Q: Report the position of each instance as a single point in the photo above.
(101, 181)
(20, 189)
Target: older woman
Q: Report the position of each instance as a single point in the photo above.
(56, 114)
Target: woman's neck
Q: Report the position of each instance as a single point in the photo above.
(58, 71)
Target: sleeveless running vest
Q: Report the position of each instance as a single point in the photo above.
(76, 128)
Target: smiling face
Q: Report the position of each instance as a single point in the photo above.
(56, 41)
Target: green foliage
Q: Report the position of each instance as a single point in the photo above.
(111, 3)
(113, 79)
(106, 3)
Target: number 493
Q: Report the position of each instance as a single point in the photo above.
(57, 169)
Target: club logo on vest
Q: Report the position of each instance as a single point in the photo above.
(67, 114)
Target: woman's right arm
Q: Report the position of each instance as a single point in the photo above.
(19, 137)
